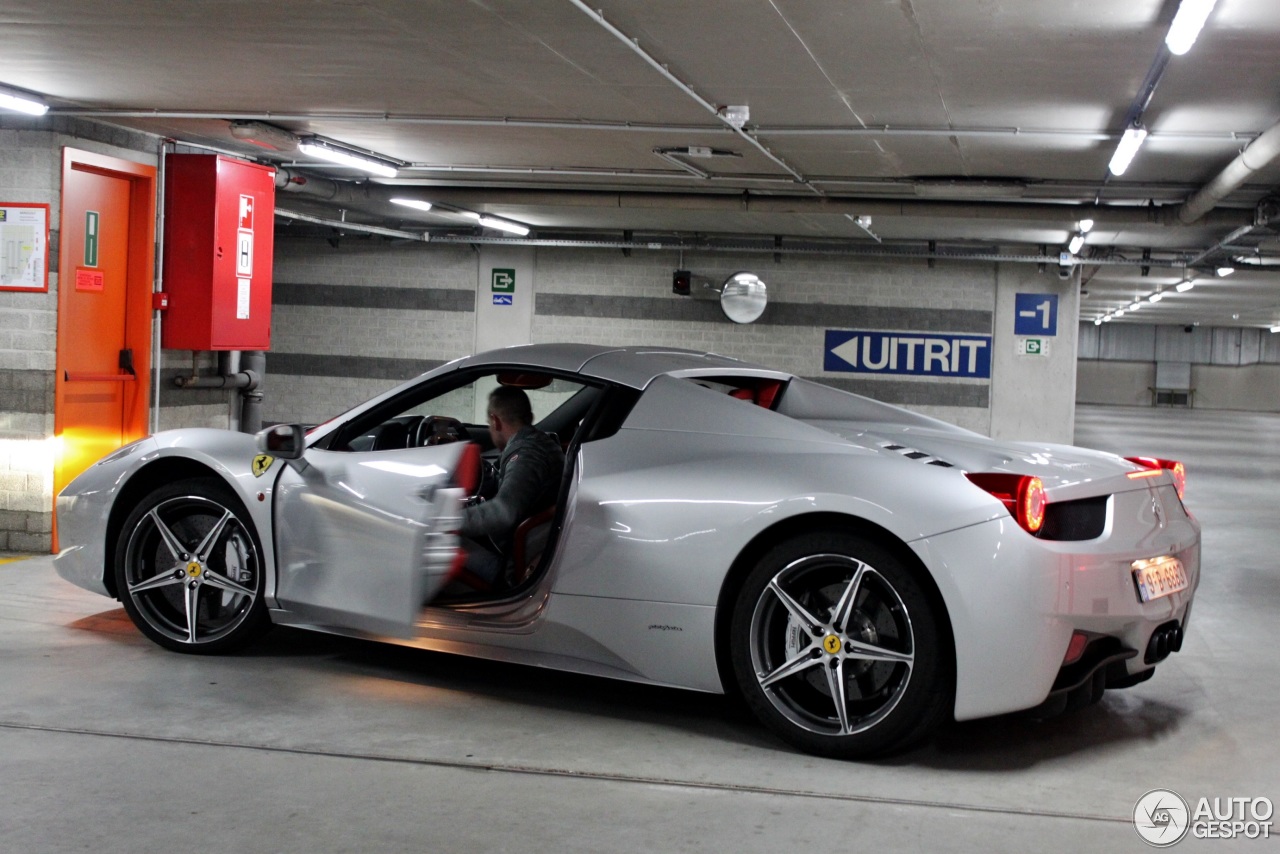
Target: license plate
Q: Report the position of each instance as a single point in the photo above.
(1158, 577)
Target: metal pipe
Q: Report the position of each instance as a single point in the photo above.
(240, 380)
(1258, 155)
(354, 226)
(955, 190)
(157, 287)
(229, 365)
(634, 45)
(255, 365)
(736, 177)
(375, 198)
(1148, 88)
(1067, 191)
(675, 161)
(1177, 262)
(597, 125)
(1242, 231)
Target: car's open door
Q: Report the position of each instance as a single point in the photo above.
(362, 540)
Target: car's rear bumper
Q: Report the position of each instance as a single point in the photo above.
(1014, 601)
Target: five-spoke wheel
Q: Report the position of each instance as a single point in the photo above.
(189, 568)
(836, 648)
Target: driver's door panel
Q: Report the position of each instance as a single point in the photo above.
(364, 539)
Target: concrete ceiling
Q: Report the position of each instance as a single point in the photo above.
(982, 127)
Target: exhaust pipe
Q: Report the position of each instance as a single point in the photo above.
(1165, 640)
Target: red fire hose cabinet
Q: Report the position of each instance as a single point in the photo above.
(218, 218)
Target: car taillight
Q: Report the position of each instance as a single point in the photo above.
(1075, 648)
(1022, 494)
(1153, 466)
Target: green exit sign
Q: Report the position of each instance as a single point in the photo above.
(1033, 346)
(503, 280)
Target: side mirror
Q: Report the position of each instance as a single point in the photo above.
(284, 441)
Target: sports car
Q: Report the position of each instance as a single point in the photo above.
(856, 573)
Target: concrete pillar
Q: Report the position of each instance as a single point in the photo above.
(1033, 393)
(504, 297)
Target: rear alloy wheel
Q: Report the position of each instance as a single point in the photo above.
(836, 648)
(189, 569)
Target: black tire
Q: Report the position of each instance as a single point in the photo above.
(185, 589)
(825, 613)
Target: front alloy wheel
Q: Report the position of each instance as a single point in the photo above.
(189, 569)
(836, 648)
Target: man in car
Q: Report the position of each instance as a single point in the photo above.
(529, 472)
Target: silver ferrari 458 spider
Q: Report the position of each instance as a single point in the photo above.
(857, 573)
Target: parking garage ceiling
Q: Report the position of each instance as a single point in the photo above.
(977, 129)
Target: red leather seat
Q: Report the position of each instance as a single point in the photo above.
(530, 540)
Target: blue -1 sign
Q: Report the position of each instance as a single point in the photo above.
(1035, 314)
(922, 354)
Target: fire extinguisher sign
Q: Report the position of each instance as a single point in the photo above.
(244, 241)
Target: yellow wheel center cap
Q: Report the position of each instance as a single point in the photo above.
(194, 569)
(831, 644)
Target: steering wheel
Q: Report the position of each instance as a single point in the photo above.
(440, 430)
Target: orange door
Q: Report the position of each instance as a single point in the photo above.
(104, 312)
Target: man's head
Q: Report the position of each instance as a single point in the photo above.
(509, 410)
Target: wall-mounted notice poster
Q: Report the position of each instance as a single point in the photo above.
(24, 247)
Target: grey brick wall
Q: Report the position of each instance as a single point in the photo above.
(606, 298)
(186, 407)
(31, 171)
(350, 322)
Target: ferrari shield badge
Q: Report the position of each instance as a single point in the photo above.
(261, 463)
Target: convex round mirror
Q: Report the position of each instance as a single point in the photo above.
(743, 297)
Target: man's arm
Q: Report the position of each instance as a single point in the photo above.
(498, 517)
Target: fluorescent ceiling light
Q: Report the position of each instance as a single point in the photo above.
(21, 102)
(1156, 297)
(1086, 226)
(1119, 312)
(1275, 329)
(969, 188)
(1076, 244)
(1187, 25)
(1223, 272)
(416, 204)
(500, 224)
(1097, 321)
(345, 157)
(1135, 306)
(1183, 287)
(1125, 151)
(1106, 319)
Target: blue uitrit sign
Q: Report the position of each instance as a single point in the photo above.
(916, 353)
(1035, 314)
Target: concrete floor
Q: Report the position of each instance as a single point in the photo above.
(309, 743)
